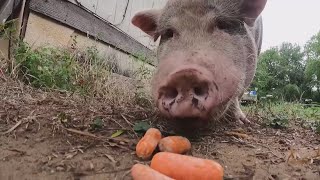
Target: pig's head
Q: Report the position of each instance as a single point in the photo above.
(207, 54)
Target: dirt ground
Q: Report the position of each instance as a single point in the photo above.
(45, 136)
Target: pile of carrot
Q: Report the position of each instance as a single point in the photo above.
(171, 163)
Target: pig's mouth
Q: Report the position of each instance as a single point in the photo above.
(190, 93)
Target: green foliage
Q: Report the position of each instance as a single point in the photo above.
(291, 92)
(278, 122)
(312, 47)
(141, 127)
(142, 74)
(143, 71)
(46, 67)
(97, 123)
(274, 114)
(290, 73)
(7, 28)
(280, 114)
(84, 72)
(312, 71)
(267, 72)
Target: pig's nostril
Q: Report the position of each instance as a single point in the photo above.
(171, 93)
(199, 91)
(195, 101)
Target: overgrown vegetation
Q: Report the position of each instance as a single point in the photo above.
(85, 72)
(280, 114)
(6, 29)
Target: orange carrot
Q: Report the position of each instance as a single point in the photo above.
(143, 172)
(183, 167)
(175, 144)
(148, 143)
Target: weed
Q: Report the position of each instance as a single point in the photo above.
(317, 126)
(84, 72)
(278, 121)
(279, 114)
(46, 67)
(97, 124)
(7, 28)
(141, 127)
(143, 76)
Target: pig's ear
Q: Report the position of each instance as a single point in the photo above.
(147, 21)
(251, 9)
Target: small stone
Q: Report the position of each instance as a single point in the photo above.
(91, 166)
(59, 168)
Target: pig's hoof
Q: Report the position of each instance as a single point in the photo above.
(244, 120)
(241, 118)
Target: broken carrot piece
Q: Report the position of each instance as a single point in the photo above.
(148, 143)
(143, 172)
(175, 144)
(179, 166)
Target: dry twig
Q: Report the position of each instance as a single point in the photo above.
(13, 128)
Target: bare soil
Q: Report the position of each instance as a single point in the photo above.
(48, 135)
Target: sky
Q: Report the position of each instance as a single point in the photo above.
(294, 21)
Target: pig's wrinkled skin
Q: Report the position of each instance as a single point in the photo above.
(207, 55)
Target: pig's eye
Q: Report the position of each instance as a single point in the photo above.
(167, 34)
(231, 27)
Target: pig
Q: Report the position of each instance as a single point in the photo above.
(207, 56)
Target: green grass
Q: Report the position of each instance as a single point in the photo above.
(7, 29)
(47, 67)
(279, 114)
(84, 72)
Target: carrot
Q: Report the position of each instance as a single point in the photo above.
(148, 143)
(143, 172)
(175, 144)
(184, 167)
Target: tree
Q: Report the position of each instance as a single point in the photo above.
(266, 71)
(278, 67)
(290, 73)
(312, 71)
(291, 92)
(292, 63)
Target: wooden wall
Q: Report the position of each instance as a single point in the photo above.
(120, 12)
(105, 23)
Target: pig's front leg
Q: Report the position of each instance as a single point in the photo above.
(236, 113)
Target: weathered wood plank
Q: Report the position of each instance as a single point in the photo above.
(5, 10)
(120, 12)
(76, 17)
(7, 7)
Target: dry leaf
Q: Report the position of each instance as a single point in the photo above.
(236, 134)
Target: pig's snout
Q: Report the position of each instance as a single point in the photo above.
(188, 93)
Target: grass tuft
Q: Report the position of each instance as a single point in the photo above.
(281, 114)
(81, 72)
